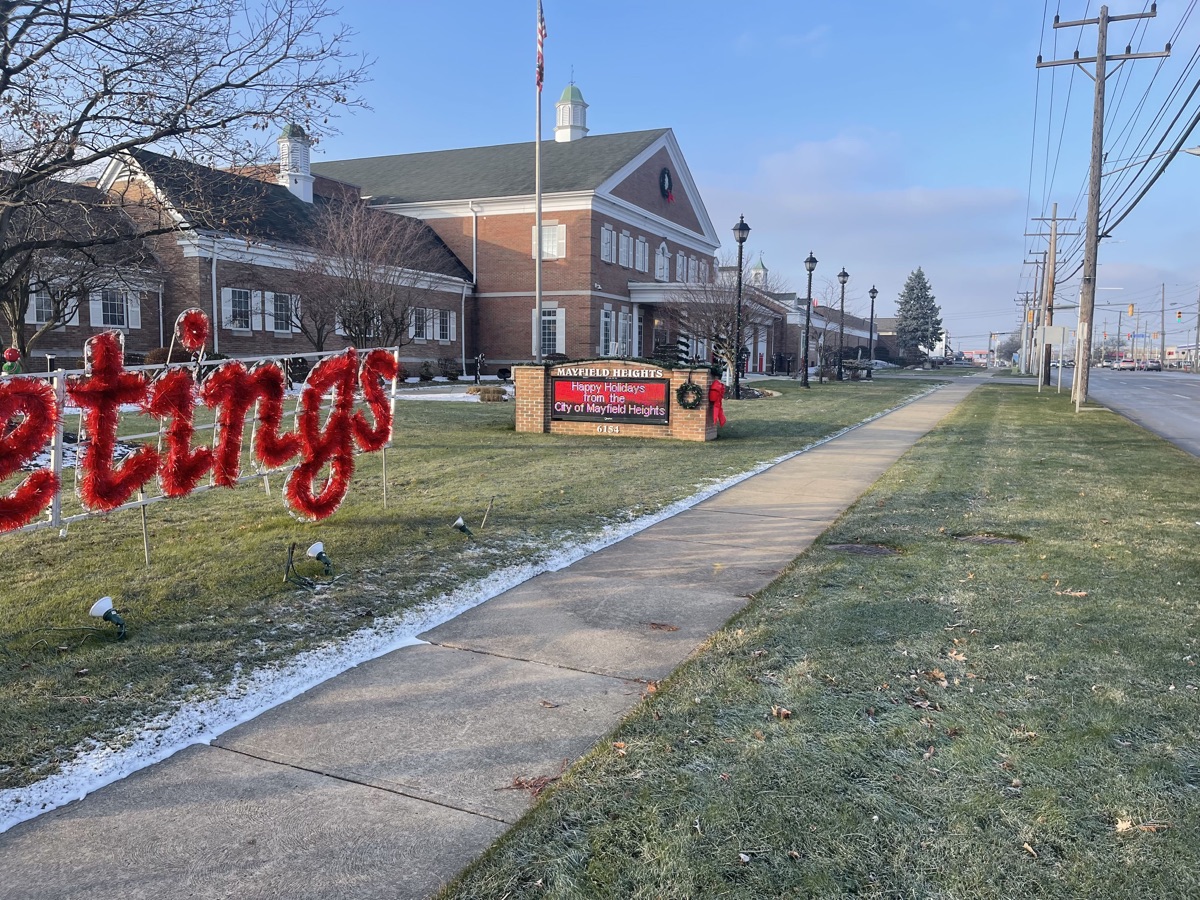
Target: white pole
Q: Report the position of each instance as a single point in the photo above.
(537, 215)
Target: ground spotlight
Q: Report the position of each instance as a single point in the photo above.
(317, 552)
(103, 609)
(462, 526)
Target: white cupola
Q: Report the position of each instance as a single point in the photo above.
(758, 273)
(294, 173)
(571, 116)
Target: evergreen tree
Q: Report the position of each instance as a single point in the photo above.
(918, 318)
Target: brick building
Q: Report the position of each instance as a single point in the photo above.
(620, 212)
(240, 245)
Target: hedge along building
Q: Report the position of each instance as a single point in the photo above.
(617, 210)
(249, 247)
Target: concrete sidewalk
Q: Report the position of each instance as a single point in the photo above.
(387, 780)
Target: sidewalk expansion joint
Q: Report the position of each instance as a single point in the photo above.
(367, 784)
(534, 662)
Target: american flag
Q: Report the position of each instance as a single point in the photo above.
(541, 33)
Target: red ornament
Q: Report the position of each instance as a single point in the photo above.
(173, 397)
(104, 485)
(192, 329)
(12, 354)
(20, 442)
(377, 366)
(716, 396)
(332, 446)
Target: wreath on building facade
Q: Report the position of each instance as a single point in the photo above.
(689, 395)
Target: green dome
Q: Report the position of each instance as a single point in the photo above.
(571, 94)
(292, 130)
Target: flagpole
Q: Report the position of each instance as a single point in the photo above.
(537, 207)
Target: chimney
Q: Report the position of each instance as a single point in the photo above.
(294, 173)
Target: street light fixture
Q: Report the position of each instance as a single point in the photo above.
(843, 277)
(741, 231)
(872, 293)
(810, 266)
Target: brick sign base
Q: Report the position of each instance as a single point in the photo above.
(612, 398)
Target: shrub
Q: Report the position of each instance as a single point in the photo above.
(426, 372)
(449, 367)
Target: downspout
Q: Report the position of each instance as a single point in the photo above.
(216, 320)
(161, 332)
(462, 324)
(474, 284)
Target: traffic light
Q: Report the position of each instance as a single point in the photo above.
(1179, 315)
(1131, 309)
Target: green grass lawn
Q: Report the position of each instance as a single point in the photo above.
(957, 720)
(213, 603)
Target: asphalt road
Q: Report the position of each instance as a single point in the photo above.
(1166, 403)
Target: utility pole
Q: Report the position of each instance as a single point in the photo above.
(1026, 332)
(1087, 294)
(1050, 263)
(1162, 335)
(1196, 345)
(1039, 350)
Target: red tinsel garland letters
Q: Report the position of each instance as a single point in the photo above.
(330, 446)
(232, 390)
(378, 365)
(104, 485)
(174, 397)
(20, 442)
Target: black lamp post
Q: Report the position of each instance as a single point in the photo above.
(810, 266)
(843, 277)
(741, 231)
(872, 293)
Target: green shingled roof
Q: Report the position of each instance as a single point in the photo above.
(571, 94)
(505, 170)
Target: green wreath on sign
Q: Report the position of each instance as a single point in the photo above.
(689, 395)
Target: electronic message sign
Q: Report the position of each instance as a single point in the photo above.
(635, 400)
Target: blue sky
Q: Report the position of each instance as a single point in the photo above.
(881, 136)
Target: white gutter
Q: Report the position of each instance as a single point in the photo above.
(161, 332)
(216, 320)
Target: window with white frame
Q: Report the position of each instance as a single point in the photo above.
(607, 240)
(625, 249)
(418, 326)
(680, 267)
(554, 241)
(692, 273)
(624, 331)
(641, 257)
(553, 334)
(239, 309)
(112, 308)
(662, 263)
(43, 307)
(446, 325)
(704, 270)
(606, 333)
(281, 311)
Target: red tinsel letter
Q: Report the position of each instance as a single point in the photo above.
(378, 366)
(333, 446)
(174, 397)
(19, 444)
(104, 485)
(232, 390)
